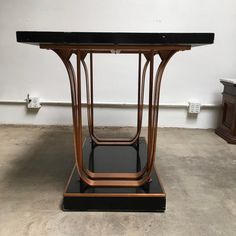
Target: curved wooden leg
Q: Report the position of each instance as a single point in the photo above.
(98, 141)
(154, 107)
(89, 92)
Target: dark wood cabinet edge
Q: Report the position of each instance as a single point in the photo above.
(226, 136)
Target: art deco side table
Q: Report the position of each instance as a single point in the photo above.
(115, 174)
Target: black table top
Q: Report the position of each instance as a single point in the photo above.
(102, 38)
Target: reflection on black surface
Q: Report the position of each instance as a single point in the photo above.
(120, 159)
(91, 165)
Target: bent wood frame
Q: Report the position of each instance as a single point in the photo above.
(81, 51)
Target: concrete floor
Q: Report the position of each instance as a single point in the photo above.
(198, 170)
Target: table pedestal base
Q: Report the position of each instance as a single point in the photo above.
(81, 197)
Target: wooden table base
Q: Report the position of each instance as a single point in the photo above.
(114, 179)
(79, 196)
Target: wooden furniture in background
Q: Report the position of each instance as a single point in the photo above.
(227, 126)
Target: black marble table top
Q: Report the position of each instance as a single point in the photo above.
(102, 38)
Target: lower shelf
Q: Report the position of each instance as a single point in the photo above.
(80, 197)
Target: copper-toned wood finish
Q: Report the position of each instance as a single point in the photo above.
(138, 178)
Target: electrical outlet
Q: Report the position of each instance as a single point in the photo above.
(33, 102)
(194, 107)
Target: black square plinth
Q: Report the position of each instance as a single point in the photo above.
(81, 197)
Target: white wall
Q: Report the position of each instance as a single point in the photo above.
(191, 74)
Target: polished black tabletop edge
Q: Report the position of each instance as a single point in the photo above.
(119, 38)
